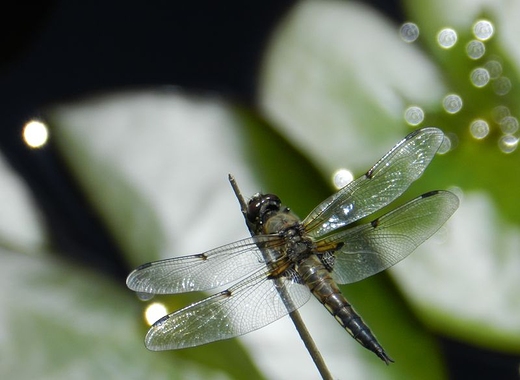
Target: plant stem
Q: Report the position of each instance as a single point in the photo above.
(294, 314)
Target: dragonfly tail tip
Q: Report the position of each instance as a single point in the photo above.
(387, 359)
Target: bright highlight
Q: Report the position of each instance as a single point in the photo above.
(153, 312)
(342, 177)
(35, 134)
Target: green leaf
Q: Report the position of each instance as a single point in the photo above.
(61, 322)
(336, 80)
(21, 227)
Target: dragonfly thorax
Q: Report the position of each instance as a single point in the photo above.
(283, 223)
(267, 216)
(288, 227)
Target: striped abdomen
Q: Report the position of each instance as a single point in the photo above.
(320, 282)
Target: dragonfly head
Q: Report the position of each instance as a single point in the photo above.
(261, 206)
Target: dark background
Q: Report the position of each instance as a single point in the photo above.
(59, 50)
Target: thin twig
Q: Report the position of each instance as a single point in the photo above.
(294, 314)
(310, 345)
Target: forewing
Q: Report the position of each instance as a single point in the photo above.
(204, 271)
(382, 184)
(376, 246)
(249, 305)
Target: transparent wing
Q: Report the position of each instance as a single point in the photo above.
(376, 246)
(204, 271)
(382, 184)
(249, 305)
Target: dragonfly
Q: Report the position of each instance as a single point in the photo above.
(274, 272)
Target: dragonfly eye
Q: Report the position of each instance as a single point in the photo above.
(260, 205)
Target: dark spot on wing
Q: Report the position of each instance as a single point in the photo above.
(162, 320)
(143, 266)
(375, 223)
(430, 193)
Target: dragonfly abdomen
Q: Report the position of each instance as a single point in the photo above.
(318, 279)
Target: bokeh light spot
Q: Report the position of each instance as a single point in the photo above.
(479, 129)
(494, 68)
(414, 115)
(409, 32)
(509, 124)
(475, 49)
(483, 30)
(479, 77)
(508, 143)
(502, 85)
(452, 103)
(35, 134)
(447, 38)
(154, 311)
(341, 178)
(499, 112)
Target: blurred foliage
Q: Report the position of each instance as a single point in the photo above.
(154, 167)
